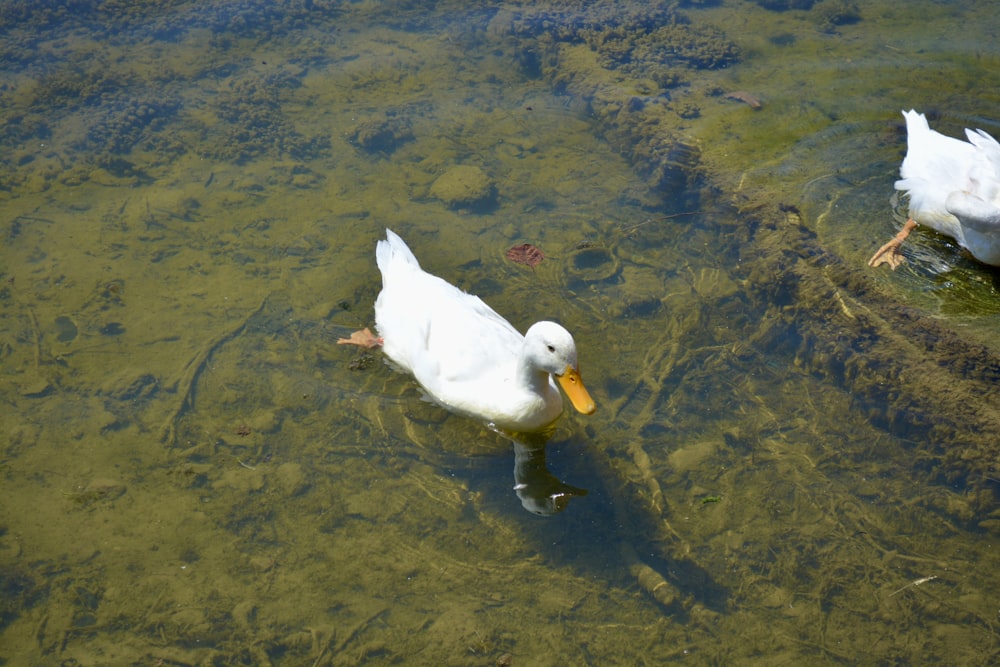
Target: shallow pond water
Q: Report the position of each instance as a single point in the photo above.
(793, 456)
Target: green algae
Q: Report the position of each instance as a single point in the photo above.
(199, 475)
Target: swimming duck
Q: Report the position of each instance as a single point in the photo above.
(468, 358)
(954, 188)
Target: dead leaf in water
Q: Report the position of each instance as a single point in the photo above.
(526, 254)
(745, 97)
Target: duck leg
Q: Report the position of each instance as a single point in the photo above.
(364, 338)
(889, 253)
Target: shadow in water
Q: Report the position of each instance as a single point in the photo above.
(618, 531)
(539, 491)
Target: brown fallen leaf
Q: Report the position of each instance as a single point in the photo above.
(744, 96)
(526, 254)
(364, 338)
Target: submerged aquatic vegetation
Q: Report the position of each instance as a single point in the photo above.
(121, 123)
(192, 476)
(645, 42)
(254, 124)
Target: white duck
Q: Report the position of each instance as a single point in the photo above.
(954, 188)
(468, 358)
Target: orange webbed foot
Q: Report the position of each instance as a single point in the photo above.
(364, 338)
(890, 253)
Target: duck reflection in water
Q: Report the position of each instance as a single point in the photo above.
(539, 491)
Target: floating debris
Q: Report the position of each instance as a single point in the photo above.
(526, 254)
(744, 96)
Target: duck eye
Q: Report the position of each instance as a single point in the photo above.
(552, 348)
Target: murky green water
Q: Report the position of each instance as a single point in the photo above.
(793, 457)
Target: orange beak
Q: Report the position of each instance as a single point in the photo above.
(572, 384)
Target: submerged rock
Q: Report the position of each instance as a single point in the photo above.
(464, 186)
(381, 135)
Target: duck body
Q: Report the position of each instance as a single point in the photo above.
(467, 357)
(954, 185)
